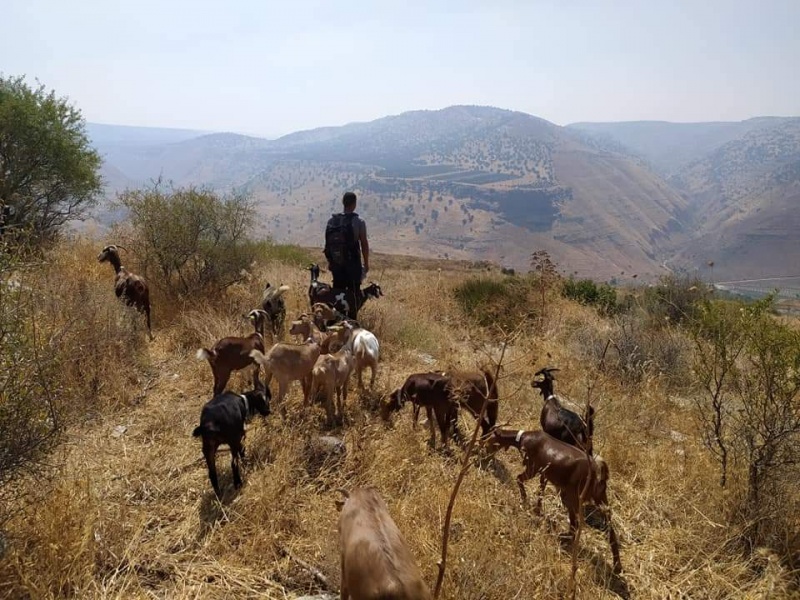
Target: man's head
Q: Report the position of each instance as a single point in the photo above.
(349, 201)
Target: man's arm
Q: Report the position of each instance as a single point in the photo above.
(362, 238)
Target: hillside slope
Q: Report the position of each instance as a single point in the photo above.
(746, 203)
(464, 182)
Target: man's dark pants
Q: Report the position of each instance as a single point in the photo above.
(349, 278)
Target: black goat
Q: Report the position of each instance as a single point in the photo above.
(130, 287)
(347, 302)
(562, 423)
(222, 422)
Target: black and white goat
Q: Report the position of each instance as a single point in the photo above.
(347, 302)
(560, 422)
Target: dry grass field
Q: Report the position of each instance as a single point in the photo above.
(124, 508)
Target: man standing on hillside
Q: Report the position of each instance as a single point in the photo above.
(345, 244)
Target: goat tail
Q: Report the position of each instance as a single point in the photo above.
(602, 468)
(205, 429)
(259, 357)
(202, 353)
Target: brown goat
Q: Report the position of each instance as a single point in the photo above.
(131, 288)
(470, 389)
(233, 354)
(274, 305)
(568, 468)
(441, 394)
(428, 390)
(376, 562)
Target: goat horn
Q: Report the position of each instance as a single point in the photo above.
(121, 247)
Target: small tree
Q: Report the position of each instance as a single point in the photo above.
(749, 365)
(48, 170)
(191, 240)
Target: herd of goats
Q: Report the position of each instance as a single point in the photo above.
(376, 562)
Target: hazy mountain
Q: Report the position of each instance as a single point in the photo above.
(745, 202)
(669, 147)
(485, 183)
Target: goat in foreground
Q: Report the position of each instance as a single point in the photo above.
(376, 562)
(560, 422)
(131, 288)
(233, 353)
(568, 468)
(222, 422)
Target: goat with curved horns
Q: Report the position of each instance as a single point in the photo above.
(560, 422)
(131, 288)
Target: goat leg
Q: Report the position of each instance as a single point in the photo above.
(521, 479)
(221, 378)
(431, 426)
(147, 315)
(236, 452)
(613, 541)
(542, 486)
(210, 453)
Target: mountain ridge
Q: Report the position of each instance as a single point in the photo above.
(470, 182)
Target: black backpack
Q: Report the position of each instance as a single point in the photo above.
(341, 247)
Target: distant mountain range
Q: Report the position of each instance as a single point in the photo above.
(608, 200)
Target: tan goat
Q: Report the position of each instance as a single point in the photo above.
(376, 561)
(331, 374)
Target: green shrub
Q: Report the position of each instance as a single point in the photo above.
(586, 291)
(267, 250)
(190, 241)
(496, 302)
(674, 299)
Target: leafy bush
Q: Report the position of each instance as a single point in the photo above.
(586, 291)
(747, 363)
(48, 169)
(190, 241)
(500, 302)
(674, 299)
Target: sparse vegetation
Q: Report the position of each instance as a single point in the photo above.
(130, 512)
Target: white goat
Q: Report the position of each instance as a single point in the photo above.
(366, 351)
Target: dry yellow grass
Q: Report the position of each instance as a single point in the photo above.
(132, 515)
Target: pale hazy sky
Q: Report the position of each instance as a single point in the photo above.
(270, 68)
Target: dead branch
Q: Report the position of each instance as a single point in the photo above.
(464, 467)
(318, 576)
